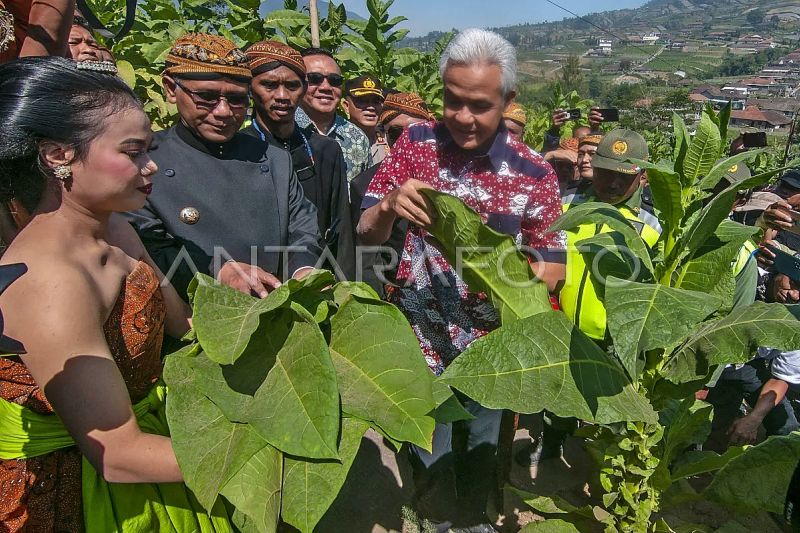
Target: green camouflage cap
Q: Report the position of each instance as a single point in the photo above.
(617, 146)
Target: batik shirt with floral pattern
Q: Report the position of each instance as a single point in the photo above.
(354, 142)
(515, 192)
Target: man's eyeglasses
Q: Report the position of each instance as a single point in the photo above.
(316, 78)
(291, 85)
(211, 99)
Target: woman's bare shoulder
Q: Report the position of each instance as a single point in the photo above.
(122, 235)
(57, 289)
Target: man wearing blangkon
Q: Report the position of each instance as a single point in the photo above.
(224, 203)
(469, 155)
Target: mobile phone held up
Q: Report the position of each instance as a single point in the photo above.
(573, 114)
(756, 139)
(795, 221)
(785, 263)
(609, 114)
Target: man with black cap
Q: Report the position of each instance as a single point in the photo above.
(363, 103)
(224, 203)
(278, 85)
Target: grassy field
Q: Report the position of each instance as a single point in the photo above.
(638, 52)
(691, 62)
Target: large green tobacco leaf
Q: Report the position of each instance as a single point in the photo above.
(552, 525)
(208, 377)
(284, 384)
(310, 487)
(712, 215)
(694, 463)
(710, 270)
(225, 319)
(703, 150)
(721, 168)
(723, 118)
(545, 362)
(733, 339)
(609, 256)
(647, 316)
(491, 261)
(758, 479)
(448, 407)
(343, 289)
(552, 504)
(686, 422)
(255, 489)
(681, 143)
(602, 213)
(297, 407)
(665, 185)
(210, 449)
(382, 374)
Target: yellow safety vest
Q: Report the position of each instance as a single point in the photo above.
(578, 298)
(745, 253)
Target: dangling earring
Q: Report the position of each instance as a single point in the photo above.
(62, 172)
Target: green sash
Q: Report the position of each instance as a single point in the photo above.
(114, 507)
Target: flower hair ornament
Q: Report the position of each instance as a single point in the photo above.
(107, 67)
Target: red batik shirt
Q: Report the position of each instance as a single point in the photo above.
(513, 189)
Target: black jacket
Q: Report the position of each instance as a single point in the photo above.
(249, 201)
(386, 260)
(324, 183)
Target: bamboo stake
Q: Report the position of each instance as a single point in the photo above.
(312, 7)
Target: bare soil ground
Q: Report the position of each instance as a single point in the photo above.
(380, 484)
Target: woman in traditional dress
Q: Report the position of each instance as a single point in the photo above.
(83, 442)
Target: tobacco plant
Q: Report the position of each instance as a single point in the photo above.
(369, 46)
(268, 405)
(672, 328)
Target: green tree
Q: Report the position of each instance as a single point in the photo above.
(571, 75)
(755, 17)
(362, 47)
(595, 87)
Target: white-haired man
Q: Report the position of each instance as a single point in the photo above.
(469, 154)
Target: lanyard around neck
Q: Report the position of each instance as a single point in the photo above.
(298, 130)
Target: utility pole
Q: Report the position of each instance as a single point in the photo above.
(312, 8)
(789, 140)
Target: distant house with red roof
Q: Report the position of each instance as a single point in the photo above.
(717, 97)
(753, 117)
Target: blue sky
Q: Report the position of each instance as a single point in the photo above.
(428, 15)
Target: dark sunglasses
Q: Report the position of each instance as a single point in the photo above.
(212, 98)
(291, 85)
(316, 78)
(393, 133)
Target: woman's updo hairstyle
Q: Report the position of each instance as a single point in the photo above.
(50, 99)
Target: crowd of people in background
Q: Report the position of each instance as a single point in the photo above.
(277, 164)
